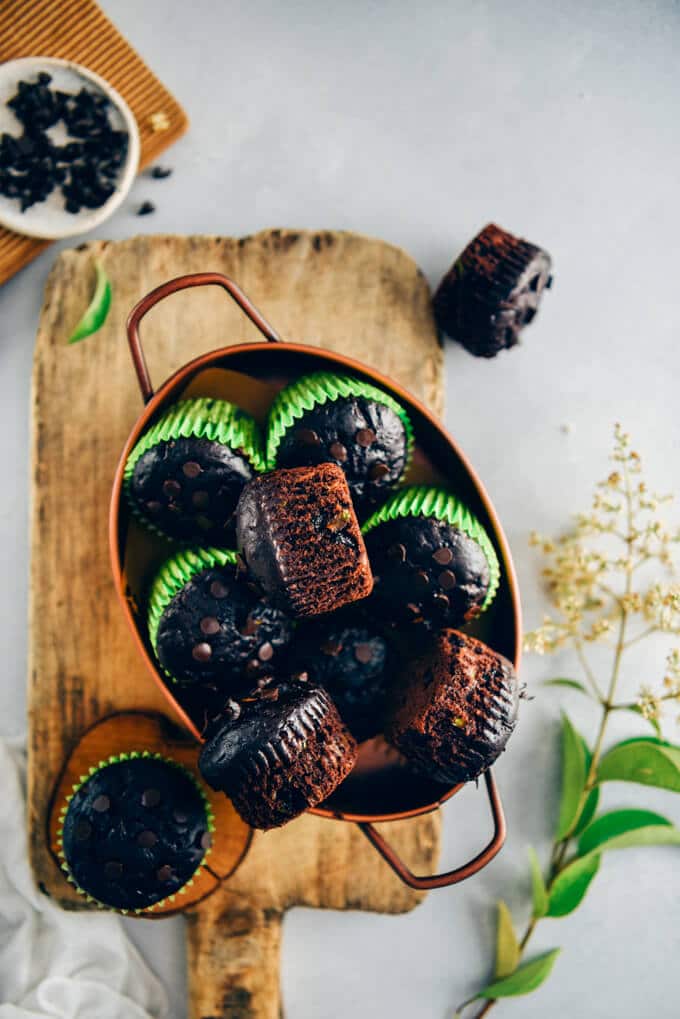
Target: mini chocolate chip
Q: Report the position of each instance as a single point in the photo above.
(421, 580)
(441, 602)
(209, 625)
(180, 816)
(191, 469)
(201, 652)
(307, 436)
(171, 487)
(331, 647)
(364, 653)
(397, 552)
(378, 471)
(218, 589)
(101, 804)
(206, 840)
(338, 452)
(447, 579)
(151, 797)
(165, 872)
(265, 651)
(365, 437)
(153, 506)
(200, 499)
(443, 556)
(83, 830)
(147, 838)
(113, 869)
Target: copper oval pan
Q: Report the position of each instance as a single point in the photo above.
(380, 788)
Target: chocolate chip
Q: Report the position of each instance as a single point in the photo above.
(101, 804)
(365, 437)
(218, 589)
(421, 580)
(113, 869)
(160, 172)
(338, 452)
(378, 471)
(443, 556)
(331, 647)
(147, 838)
(447, 579)
(265, 651)
(180, 817)
(191, 469)
(441, 602)
(146, 208)
(397, 552)
(153, 506)
(252, 667)
(206, 840)
(307, 436)
(201, 652)
(209, 626)
(151, 797)
(171, 487)
(83, 830)
(364, 653)
(165, 872)
(200, 499)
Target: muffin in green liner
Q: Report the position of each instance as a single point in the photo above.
(135, 831)
(328, 418)
(209, 625)
(184, 476)
(433, 562)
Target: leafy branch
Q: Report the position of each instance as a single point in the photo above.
(595, 576)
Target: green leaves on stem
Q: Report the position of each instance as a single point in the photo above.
(507, 946)
(539, 892)
(623, 829)
(648, 761)
(526, 978)
(568, 889)
(574, 775)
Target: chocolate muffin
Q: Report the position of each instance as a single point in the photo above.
(433, 562)
(184, 476)
(351, 661)
(209, 625)
(134, 832)
(277, 752)
(453, 708)
(299, 536)
(326, 418)
(492, 291)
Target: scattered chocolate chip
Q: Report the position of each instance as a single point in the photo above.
(200, 499)
(378, 471)
(209, 625)
(83, 830)
(206, 840)
(443, 556)
(338, 452)
(151, 797)
(146, 208)
(165, 872)
(201, 652)
(113, 869)
(365, 437)
(447, 579)
(147, 838)
(191, 469)
(160, 172)
(101, 804)
(265, 651)
(218, 589)
(307, 436)
(364, 653)
(397, 552)
(171, 487)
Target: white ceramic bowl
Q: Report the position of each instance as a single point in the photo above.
(49, 219)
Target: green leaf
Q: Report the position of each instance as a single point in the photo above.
(574, 771)
(525, 979)
(570, 886)
(538, 890)
(618, 822)
(588, 812)
(637, 710)
(648, 761)
(507, 945)
(573, 684)
(98, 308)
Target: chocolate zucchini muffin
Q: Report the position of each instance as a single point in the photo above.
(326, 418)
(184, 476)
(492, 291)
(134, 832)
(208, 625)
(277, 752)
(299, 537)
(351, 661)
(453, 708)
(433, 562)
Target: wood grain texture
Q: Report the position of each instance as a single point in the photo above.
(339, 290)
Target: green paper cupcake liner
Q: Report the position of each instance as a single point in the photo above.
(425, 501)
(172, 577)
(311, 390)
(117, 759)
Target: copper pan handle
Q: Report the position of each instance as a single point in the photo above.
(450, 877)
(197, 279)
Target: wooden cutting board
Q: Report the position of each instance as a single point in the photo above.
(345, 292)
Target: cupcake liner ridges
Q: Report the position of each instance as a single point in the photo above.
(107, 762)
(174, 574)
(426, 501)
(321, 387)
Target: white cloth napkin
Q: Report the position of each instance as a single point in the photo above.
(54, 963)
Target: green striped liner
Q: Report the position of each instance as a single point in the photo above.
(175, 573)
(424, 501)
(295, 400)
(118, 759)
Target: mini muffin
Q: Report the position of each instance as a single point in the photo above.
(277, 752)
(134, 832)
(299, 536)
(351, 661)
(433, 562)
(453, 709)
(492, 291)
(325, 418)
(184, 476)
(207, 623)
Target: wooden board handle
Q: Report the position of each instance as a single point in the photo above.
(234, 951)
